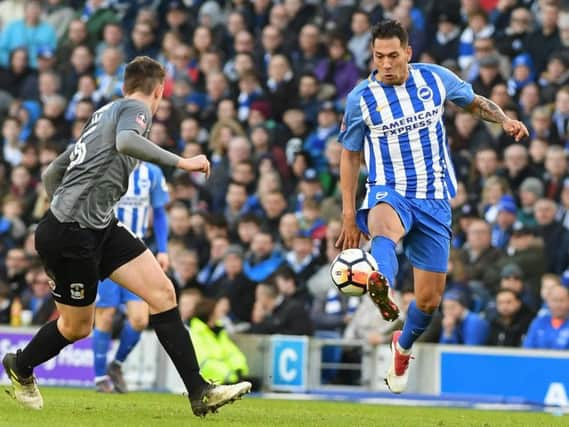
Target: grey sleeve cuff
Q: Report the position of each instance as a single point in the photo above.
(132, 144)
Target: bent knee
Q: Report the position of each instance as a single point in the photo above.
(104, 319)
(163, 297)
(429, 305)
(75, 331)
(138, 322)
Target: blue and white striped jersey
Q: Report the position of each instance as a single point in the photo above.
(401, 131)
(146, 189)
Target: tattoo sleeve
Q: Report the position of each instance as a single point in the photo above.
(486, 109)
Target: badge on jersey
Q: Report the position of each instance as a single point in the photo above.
(141, 120)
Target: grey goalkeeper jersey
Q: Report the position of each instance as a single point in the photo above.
(96, 174)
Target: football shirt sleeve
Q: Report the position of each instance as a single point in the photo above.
(353, 126)
(134, 116)
(457, 90)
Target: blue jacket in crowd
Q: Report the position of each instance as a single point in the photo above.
(542, 334)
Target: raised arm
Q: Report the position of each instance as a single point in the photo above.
(132, 144)
(488, 110)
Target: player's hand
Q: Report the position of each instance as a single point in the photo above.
(164, 260)
(350, 235)
(198, 163)
(515, 129)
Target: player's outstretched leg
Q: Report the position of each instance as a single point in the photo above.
(74, 322)
(24, 389)
(214, 397)
(143, 276)
(398, 373)
(428, 290)
(378, 282)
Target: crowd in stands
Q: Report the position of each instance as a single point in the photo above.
(260, 87)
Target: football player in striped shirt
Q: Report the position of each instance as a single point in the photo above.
(146, 189)
(396, 118)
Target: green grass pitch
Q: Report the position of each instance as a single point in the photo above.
(75, 407)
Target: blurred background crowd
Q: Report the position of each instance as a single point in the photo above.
(260, 86)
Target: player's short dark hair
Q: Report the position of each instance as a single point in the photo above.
(389, 29)
(143, 74)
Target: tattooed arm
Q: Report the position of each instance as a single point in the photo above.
(488, 110)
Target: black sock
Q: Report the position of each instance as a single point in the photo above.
(47, 343)
(177, 342)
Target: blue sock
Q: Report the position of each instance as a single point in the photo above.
(383, 250)
(101, 342)
(415, 324)
(129, 338)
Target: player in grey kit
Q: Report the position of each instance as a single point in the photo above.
(81, 242)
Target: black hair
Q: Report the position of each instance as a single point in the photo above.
(389, 29)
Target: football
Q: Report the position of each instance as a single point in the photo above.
(350, 269)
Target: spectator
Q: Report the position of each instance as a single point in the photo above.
(512, 41)
(327, 128)
(77, 35)
(554, 77)
(460, 326)
(278, 309)
(302, 259)
(544, 40)
(31, 32)
(236, 287)
(505, 219)
(96, 15)
(142, 42)
(548, 282)
(38, 300)
(559, 129)
(219, 358)
(526, 250)
(214, 269)
(489, 75)
(11, 143)
(531, 190)
(274, 206)
(17, 78)
(551, 331)
(511, 322)
(478, 27)
(263, 258)
(555, 172)
(516, 166)
(361, 39)
(523, 73)
(187, 304)
(185, 270)
(554, 235)
(247, 228)
(17, 264)
(338, 69)
(480, 257)
(113, 37)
